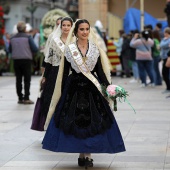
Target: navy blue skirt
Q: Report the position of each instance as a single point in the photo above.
(83, 121)
(109, 142)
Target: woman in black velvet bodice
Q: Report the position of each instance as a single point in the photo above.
(51, 62)
(52, 66)
(85, 112)
(82, 120)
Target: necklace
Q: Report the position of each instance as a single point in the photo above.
(83, 46)
(83, 50)
(63, 39)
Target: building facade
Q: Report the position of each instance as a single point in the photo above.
(22, 10)
(19, 12)
(153, 7)
(112, 12)
(94, 10)
(109, 12)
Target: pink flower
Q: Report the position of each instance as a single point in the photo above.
(111, 90)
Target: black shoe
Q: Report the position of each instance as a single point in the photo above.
(20, 102)
(88, 162)
(28, 102)
(168, 96)
(81, 161)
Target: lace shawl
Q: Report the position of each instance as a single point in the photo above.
(91, 57)
(55, 53)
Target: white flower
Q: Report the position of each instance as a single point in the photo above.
(2, 52)
(53, 13)
(47, 31)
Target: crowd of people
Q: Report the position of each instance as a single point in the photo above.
(143, 56)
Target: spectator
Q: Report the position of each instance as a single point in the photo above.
(126, 54)
(158, 27)
(169, 74)
(167, 11)
(37, 59)
(36, 37)
(135, 69)
(21, 47)
(164, 45)
(6, 38)
(156, 57)
(143, 56)
(148, 27)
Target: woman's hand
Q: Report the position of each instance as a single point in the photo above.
(43, 80)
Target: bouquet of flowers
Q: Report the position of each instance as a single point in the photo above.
(113, 92)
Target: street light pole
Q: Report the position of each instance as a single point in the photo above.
(32, 14)
(53, 4)
(32, 8)
(142, 14)
(127, 5)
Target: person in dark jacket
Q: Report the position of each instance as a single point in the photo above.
(125, 53)
(167, 11)
(22, 47)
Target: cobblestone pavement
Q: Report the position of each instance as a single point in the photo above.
(146, 134)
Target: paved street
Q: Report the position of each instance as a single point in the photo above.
(146, 134)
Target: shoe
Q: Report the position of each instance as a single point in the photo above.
(88, 162)
(133, 81)
(20, 102)
(166, 91)
(147, 81)
(81, 161)
(28, 102)
(151, 84)
(143, 85)
(128, 76)
(168, 96)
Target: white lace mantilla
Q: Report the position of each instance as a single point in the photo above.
(55, 53)
(91, 57)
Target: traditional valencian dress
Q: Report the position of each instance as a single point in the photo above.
(56, 51)
(83, 121)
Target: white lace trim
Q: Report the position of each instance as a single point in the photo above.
(55, 54)
(92, 57)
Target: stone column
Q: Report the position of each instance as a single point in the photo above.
(93, 10)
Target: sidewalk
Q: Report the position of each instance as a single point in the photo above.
(146, 134)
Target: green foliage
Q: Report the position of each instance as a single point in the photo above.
(121, 93)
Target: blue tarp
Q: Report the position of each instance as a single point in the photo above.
(132, 20)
